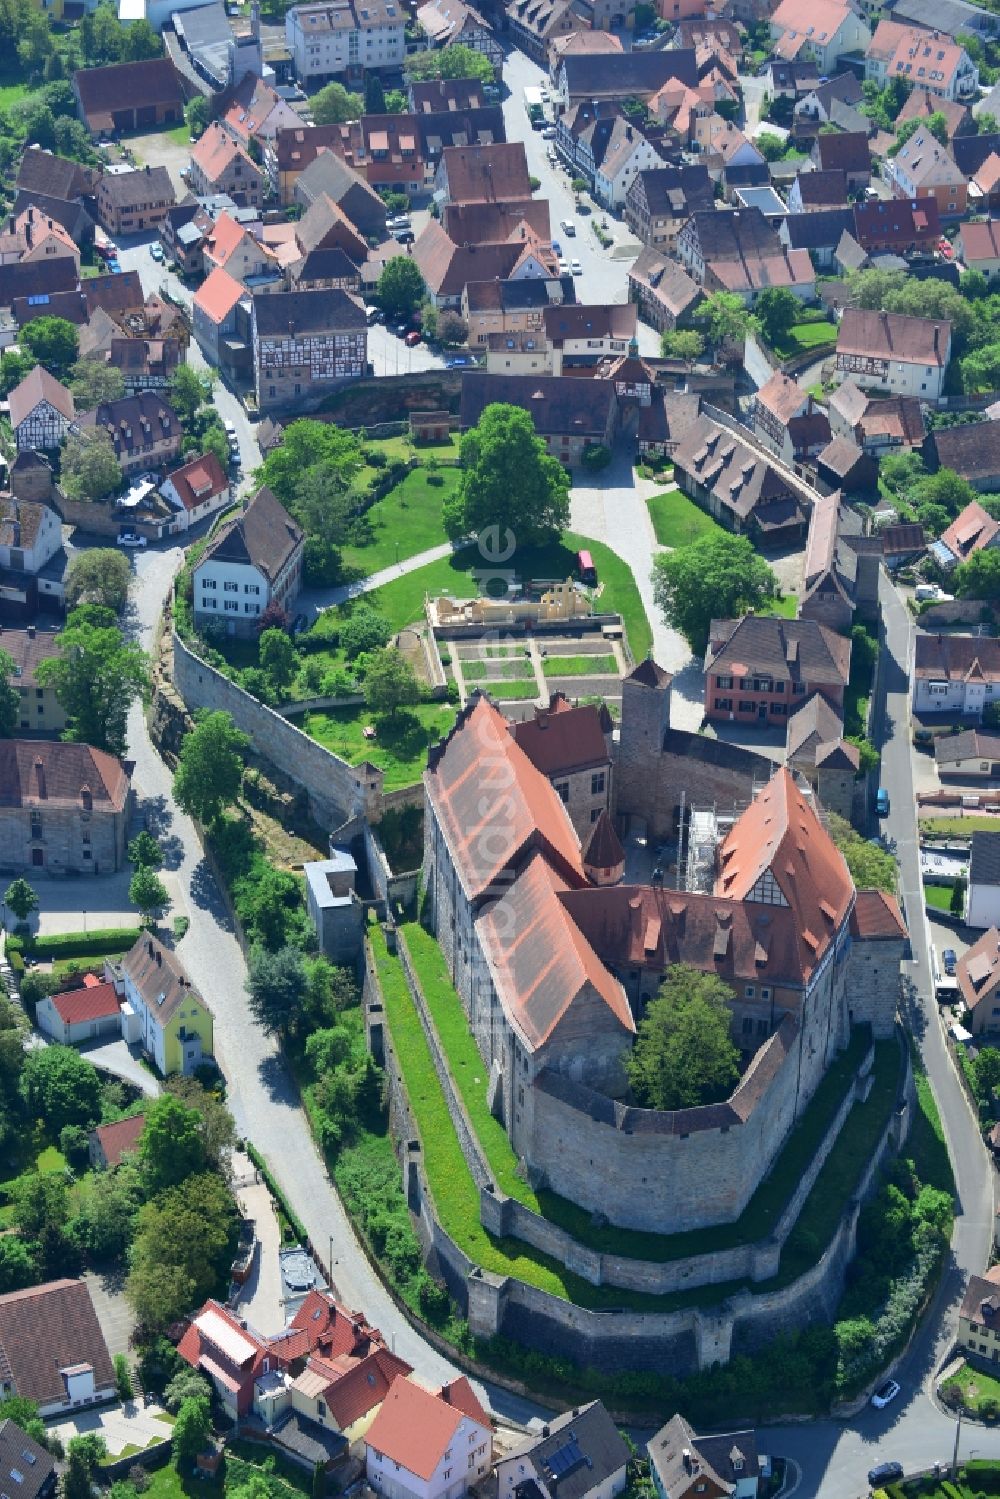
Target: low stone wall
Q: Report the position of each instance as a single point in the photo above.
(615, 1340)
(954, 612)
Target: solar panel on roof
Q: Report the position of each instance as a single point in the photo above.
(566, 1457)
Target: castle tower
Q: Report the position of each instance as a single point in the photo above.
(645, 721)
(603, 855)
(836, 767)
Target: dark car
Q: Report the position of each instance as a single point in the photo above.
(404, 236)
(950, 960)
(885, 1473)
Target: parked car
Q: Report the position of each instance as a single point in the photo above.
(114, 266)
(404, 236)
(156, 250)
(568, 227)
(946, 248)
(130, 539)
(400, 329)
(549, 133)
(460, 362)
(950, 960)
(576, 268)
(883, 1396)
(412, 338)
(885, 1473)
(556, 247)
(401, 221)
(882, 807)
(563, 267)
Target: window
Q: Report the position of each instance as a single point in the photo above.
(562, 790)
(597, 784)
(231, 587)
(724, 704)
(231, 606)
(750, 991)
(723, 682)
(209, 583)
(747, 1024)
(765, 992)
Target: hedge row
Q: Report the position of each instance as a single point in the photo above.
(76, 944)
(275, 1190)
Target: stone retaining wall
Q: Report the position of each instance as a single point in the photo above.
(614, 1340)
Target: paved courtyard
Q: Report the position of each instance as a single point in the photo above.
(260, 1301)
(125, 1428)
(82, 903)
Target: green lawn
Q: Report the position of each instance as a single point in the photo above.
(580, 666)
(50, 1159)
(511, 692)
(767, 1203)
(677, 521)
(402, 600)
(11, 94)
(499, 669)
(975, 1385)
(938, 896)
(804, 336)
(399, 748)
(975, 1478)
(785, 606)
(179, 134)
(167, 1483)
(957, 827)
(405, 522)
(405, 447)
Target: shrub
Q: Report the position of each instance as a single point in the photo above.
(437, 480)
(123, 1377)
(596, 457)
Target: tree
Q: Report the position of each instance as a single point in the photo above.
(215, 1122)
(777, 311)
(979, 577)
(389, 683)
(214, 439)
(903, 133)
(10, 698)
(374, 95)
(147, 892)
(683, 1055)
(159, 1294)
(97, 675)
(578, 186)
(400, 287)
(13, 367)
(189, 392)
(396, 102)
(100, 575)
(83, 1456)
(682, 343)
(365, 629)
(210, 768)
(52, 341)
(333, 105)
(306, 446)
(123, 1377)
(61, 1087)
(198, 114)
(192, 1228)
(278, 660)
(457, 61)
(41, 1202)
(986, 124)
(188, 1384)
(21, 898)
(957, 903)
(772, 147)
(727, 319)
(938, 127)
(508, 483)
(93, 382)
(974, 286)
(276, 984)
(107, 1205)
(945, 488)
(451, 330)
(170, 1147)
(145, 851)
(191, 1430)
(90, 469)
(717, 577)
(871, 866)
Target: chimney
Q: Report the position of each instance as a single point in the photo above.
(40, 779)
(936, 331)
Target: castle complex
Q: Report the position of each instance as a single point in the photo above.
(555, 955)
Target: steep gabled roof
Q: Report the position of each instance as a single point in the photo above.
(414, 1427)
(542, 965)
(37, 386)
(45, 1330)
(262, 536)
(483, 836)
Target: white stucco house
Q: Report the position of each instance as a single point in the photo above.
(426, 1444)
(955, 674)
(983, 908)
(255, 560)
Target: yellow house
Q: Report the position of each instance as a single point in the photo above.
(169, 1020)
(979, 1318)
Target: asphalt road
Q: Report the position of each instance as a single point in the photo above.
(604, 279)
(835, 1457)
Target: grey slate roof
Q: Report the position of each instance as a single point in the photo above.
(298, 312)
(22, 1455)
(263, 536)
(822, 229)
(584, 1447)
(984, 867)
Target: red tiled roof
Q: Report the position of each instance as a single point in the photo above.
(414, 1428)
(76, 1006)
(218, 295)
(352, 1394)
(121, 1138)
(199, 480)
(462, 1396)
(876, 915)
(485, 835)
(46, 1329)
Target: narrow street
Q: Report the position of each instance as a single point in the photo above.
(261, 1093)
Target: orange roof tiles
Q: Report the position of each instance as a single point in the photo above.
(492, 803)
(779, 835)
(76, 1006)
(542, 964)
(414, 1428)
(215, 150)
(121, 1138)
(218, 295)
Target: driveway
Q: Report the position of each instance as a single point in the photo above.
(82, 904)
(158, 150)
(260, 1300)
(116, 1057)
(107, 1291)
(611, 507)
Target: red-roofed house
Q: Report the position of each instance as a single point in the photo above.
(978, 245)
(213, 314)
(339, 1393)
(220, 165)
(423, 1446)
(197, 490)
(230, 1354)
(80, 1014)
(111, 1143)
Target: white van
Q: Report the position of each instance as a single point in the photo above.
(568, 227)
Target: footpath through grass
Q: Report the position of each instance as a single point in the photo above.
(764, 1208)
(402, 600)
